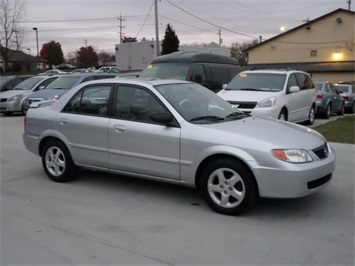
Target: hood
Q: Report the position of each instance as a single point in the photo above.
(46, 93)
(246, 96)
(253, 131)
(11, 93)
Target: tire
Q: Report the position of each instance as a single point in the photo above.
(228, 187)
(327, 112)
(57, 162)
(282, 115)
(342, 110)
(352, 108)
(311, 116)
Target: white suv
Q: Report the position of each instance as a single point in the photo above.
(282, 94)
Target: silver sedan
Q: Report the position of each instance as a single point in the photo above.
(178, 132)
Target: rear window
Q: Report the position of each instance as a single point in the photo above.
(64, 83)
(343, 89)
(166, 71)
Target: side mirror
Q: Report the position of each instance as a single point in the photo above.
(294, 89)
(162, 118)
(224, 86)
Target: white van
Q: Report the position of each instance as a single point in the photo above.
(281, 94)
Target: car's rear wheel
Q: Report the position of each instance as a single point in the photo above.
(352, 108)
(342, 110)
(57, 162)
(228, 186)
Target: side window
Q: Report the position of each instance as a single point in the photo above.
(136, 104)
(304, 81)
(328, 88)
(333, 89)
(198, 75)
(220, 76)
(92, 100)
(292, 81)
(45, 83)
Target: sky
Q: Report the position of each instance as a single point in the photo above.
(78, 23)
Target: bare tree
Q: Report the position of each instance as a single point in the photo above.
(11, 14)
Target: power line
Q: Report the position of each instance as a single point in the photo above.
(146, 18)
(243, 34)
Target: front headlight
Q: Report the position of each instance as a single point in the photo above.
(15, 98)
(292, 155)
(54, 97)
(267, 102)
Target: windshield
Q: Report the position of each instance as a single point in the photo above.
(166, 71)
(64, 83)
(197, 104)
(28, 84)
(257, 82)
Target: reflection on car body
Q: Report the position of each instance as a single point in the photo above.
(178, 132)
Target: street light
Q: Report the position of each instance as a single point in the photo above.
(37, 47)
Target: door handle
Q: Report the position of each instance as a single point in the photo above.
(119, 128)
(63, 121)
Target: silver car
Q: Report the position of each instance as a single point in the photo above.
(13, 100)
(347, 91)
(178, 132)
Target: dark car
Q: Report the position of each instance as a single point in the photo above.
(329, 99)
(210, 70)
(60, 86)
(9, 82)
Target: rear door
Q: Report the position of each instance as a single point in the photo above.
(307, 95)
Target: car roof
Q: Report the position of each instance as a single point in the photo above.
(277, 71)
(142, 81)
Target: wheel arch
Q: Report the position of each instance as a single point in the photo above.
(213, 157)
(45, 140)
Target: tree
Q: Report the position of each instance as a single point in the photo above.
(106, 58)
(52, 53)
(129, 39)
(238, 51)
(11, 14)
(170, 42)
(87, 57)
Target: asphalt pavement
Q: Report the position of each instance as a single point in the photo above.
(103, 219)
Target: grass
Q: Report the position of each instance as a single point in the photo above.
(340, 130)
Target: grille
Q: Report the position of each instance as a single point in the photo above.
(3, 100)
(322, 151)
(29, 101)
(244, 105)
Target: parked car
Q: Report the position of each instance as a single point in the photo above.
(109, 69)
(209, 70)
(13, 100)
(329, 99)
(280, 94)
(60, 86)
(53, 72)
(347, 91)
(178, 132)
(9, 82)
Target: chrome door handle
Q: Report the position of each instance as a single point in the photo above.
(119, 128)
(63, 121)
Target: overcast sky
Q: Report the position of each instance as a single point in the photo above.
(76, 23)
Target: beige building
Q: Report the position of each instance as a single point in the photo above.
(324, 47)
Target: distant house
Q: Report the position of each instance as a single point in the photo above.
(20, 61)
(324, 47)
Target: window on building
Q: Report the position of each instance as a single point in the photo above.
(313, 53)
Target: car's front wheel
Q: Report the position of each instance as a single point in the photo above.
(327, 111)
(57, 162)
(311, 116)
(283, 115)
(228, 186)
(342, 110)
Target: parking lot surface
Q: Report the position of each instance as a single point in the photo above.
(103, 219)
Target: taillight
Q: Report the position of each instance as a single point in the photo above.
(346, 98)
(320, 95)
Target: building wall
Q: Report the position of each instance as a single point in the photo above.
(325, 36)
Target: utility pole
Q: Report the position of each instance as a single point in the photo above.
(120, 26)
(219, 38)
(156, 28)
(86, 42)
(349, 4)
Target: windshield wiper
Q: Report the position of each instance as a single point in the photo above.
(249, 89)
(207, 117)
(237, 115)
